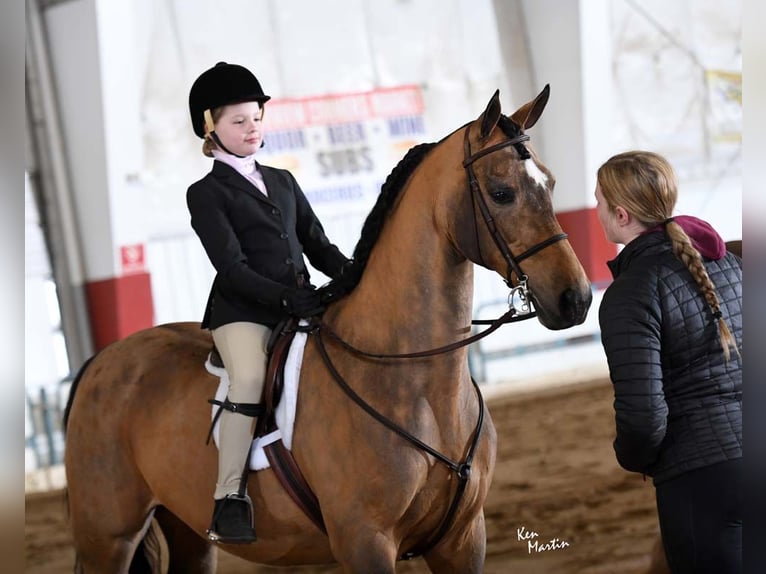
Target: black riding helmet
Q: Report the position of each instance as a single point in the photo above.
(221, 85)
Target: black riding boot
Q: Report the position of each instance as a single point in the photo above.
(232, 520)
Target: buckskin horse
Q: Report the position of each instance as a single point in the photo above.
(138, 415)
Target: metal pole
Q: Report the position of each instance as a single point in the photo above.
(48, 426)
(50, 177)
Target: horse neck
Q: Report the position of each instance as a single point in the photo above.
(415, 285)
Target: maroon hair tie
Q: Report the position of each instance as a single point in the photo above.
(668, 220)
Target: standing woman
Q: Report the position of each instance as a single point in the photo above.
(255, 225)
(671, 327)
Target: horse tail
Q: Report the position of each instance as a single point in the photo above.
(147, 558)
(73, 389)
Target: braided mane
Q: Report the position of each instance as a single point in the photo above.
(389, 192)
(373, 225)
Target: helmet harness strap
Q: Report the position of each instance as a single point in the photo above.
(210, 131)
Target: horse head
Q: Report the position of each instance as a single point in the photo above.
(507, 222)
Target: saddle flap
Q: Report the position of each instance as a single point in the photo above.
(279, 347)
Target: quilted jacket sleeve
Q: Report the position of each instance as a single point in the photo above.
(630, 320)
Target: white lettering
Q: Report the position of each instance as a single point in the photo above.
(523, 534)
(554, 544)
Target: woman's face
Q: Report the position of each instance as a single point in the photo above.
(606, 217)
(239, 128)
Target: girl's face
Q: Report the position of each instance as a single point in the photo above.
(239, 128)
(606, 217)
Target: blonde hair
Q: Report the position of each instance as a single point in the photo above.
(644, 184)
(208, 145)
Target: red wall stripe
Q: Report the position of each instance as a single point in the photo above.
(119, 307)
(587, 239)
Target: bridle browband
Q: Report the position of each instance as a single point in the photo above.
(489, 221)
(462, 469)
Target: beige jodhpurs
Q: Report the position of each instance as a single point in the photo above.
(242, 346)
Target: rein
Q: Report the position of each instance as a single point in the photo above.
(508, 317)
(461, 469)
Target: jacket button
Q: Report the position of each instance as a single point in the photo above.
(275, 211)
(288, 261)
(283, 236)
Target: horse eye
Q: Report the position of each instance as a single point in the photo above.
(502, 196)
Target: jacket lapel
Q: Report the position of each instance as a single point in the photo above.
(234, 179)
(268, 178)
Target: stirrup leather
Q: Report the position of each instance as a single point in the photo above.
(246, 409)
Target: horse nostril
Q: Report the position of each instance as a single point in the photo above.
(574, 304)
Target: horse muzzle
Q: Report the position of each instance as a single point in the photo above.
(570, 309)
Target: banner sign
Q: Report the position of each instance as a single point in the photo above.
(341, 147)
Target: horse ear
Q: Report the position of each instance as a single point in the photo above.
(528, 114)
(491, 115)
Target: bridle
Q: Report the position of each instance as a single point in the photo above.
(462, 469)
(520, 290)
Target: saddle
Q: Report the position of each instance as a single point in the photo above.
(280, 458)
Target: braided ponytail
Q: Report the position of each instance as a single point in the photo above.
(686, 252)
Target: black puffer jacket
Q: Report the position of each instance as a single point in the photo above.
(678, 404)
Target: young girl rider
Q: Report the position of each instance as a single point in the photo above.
(255, 224)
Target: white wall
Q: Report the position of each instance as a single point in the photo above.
(666, 58)
(451, 49)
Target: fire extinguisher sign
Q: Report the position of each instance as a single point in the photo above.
(132, 257)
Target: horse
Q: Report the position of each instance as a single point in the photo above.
(138, 413)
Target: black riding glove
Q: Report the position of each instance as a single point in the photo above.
(301, 302)
(342, 283)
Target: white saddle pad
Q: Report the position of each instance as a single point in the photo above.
(285, 412)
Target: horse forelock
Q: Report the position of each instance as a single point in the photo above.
(511, 129)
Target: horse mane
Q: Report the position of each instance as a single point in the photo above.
(373, 225)
(389, 192)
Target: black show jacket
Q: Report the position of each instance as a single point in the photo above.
(256, 243)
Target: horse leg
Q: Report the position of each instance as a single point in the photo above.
(188, 552)
(462, 553)
(110, 507)
(364, 550)
(101, 547)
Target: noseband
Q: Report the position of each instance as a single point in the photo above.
(520, 290)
